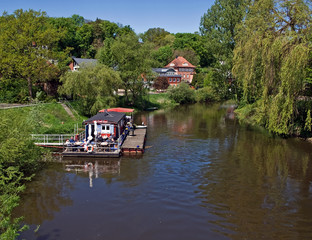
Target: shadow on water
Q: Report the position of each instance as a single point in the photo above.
(203, 176)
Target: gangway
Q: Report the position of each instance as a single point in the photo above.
(50, 140)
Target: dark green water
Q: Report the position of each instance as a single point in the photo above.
(203, 176)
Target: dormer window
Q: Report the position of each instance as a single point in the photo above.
(185, 64)
(171, 64)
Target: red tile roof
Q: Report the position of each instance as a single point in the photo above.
(180, 62)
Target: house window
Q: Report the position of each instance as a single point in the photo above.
(169, 79)
(187, 76)
(174, 80)
(178, 79)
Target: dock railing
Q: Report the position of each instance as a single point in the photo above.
(50, 139)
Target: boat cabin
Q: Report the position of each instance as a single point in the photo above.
(106, 123)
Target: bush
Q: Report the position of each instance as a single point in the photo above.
(18, 162)
(206, 94)
(181, 94)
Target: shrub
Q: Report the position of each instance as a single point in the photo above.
(206, 94)
(181, 94)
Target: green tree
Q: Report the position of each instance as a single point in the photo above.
(196, 43)
(271, 56)
(189, 54)
(69, 26)
(26, 46)
(84, 38)
(105, 55)
(94, 86)
(133, 62)
(218, 30)
(157, 36)
(218, 26)
(18, 162)
(162, 56)
(181, 94)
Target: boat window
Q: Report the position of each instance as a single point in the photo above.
(105, 127)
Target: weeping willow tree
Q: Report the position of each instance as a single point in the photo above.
(93, 86)
(270, 61)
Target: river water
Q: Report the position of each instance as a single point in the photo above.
(202, 176)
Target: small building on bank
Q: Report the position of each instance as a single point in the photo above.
(76, 63)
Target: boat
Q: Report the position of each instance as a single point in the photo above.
(105, 134)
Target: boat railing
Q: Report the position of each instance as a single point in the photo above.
(50, 139)
(92, 148)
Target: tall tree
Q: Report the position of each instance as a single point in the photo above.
(26, 46)
(218, 29)
(271, 55)
(162, 56)
(157, 36)
(218, 26)
(94, 86)
(132, 60)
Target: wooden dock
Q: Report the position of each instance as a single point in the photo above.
(135, 144)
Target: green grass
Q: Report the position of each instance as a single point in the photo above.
(160, 100)
(46, 118)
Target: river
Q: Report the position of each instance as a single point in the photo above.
(203, 176)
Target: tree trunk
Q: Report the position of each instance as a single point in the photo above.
(30, 88)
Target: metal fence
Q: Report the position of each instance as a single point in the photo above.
(50, 139)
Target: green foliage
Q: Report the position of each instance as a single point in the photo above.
(181, 94)
(105, 54)
(188, 54)
(162, 56)
(157, 36)
(219, 28)
(13, 91)
(308, 122)
(26, 44)
(270, 61)
(132, 60)
(94, 86)
(160, 100)
(206, 94)
(18, 162)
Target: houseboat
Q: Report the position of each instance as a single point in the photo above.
(104, 134)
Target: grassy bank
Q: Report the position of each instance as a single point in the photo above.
(20, 158)
(46, 118)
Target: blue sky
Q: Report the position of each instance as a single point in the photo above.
(173, 16)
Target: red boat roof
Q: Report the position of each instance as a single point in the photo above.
(123, 110)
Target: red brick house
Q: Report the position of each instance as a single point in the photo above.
(183, 68)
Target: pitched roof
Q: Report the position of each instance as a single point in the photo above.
(163, 70)
(110, 117)
(80, 61)
(180, 62)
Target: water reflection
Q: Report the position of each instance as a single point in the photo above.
(93, 168)
(46, 195)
